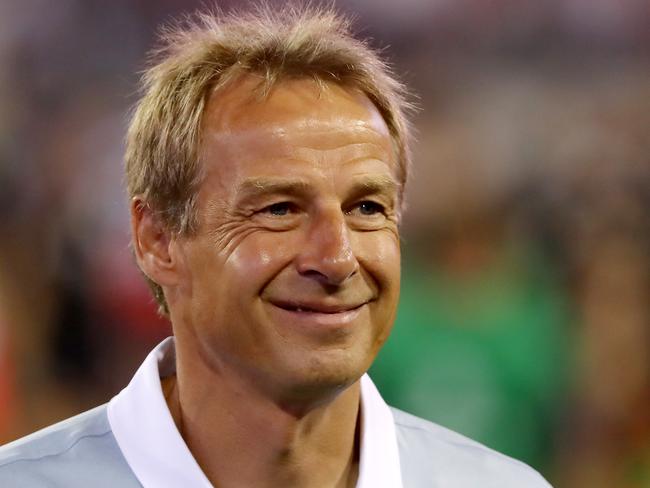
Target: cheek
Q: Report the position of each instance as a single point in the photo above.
(258, 258)
(379, 253)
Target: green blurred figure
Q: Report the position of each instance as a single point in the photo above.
(482, 342)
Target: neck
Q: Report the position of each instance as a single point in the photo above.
(253, 440)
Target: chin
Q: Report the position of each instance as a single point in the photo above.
(325, 376)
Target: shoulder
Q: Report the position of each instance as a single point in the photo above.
(432, 456)
(80, 451)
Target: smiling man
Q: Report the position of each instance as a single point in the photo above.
(290, 283)
(266, 164)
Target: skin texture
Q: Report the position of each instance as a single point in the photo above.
(282, 299)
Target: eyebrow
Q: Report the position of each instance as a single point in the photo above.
(257, 187)
(382, 184)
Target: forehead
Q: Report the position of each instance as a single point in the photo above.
(293, 103)
(300, 127)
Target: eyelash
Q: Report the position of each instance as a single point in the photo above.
(375, 206)
(281, 209)
(288, 206)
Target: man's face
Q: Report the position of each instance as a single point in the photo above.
(292, 280)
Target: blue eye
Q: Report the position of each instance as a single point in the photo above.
(370, 208)
(279, 209)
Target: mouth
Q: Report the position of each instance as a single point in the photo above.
(317, 308)
(310, 314)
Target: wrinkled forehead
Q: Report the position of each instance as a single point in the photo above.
(318, 112)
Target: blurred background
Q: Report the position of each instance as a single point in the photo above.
(525, 313)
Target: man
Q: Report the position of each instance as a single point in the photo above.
(266, 165)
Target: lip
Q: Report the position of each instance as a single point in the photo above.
(316, 307)
(318, 314)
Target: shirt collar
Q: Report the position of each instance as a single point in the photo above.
(154, 449)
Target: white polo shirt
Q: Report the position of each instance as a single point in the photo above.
(132, 442)
(149, 440)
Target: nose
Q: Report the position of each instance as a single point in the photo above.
(327, 254)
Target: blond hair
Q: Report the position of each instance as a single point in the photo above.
(204, 52)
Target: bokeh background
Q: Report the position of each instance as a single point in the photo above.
(525, 313)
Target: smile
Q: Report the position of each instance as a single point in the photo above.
(319, 314)
(317, 308)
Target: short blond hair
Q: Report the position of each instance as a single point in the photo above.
(201, 54)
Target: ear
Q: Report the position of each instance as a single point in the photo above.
(153, 244)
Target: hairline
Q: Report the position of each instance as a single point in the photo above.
(261, 92)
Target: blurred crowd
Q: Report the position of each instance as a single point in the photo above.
(525, 313)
